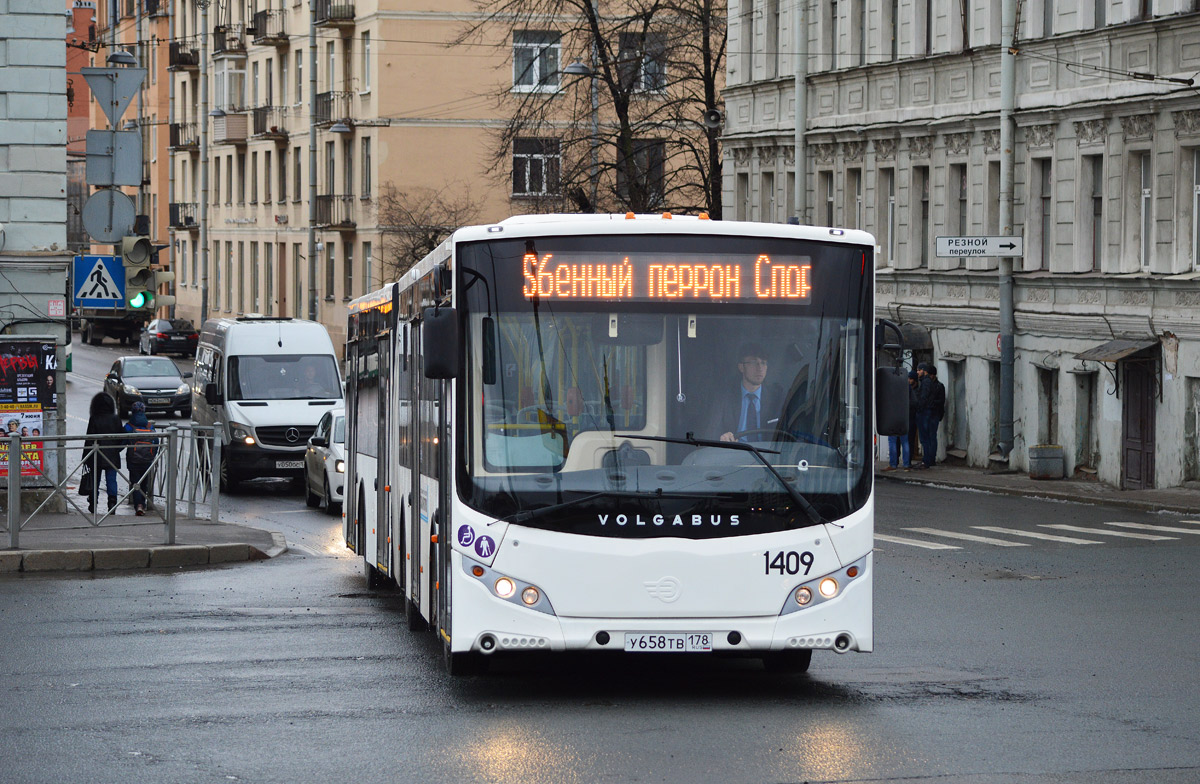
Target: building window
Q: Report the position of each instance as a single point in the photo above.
(825, 197)
(348, 271)
(993, 199)
(747, 48)
(743, 196)
(241, 170)
(241, 277)
(892, 8)
(535, 167)
(1100, 13)
(229, 85)
(790, 196)
(1196, 209)
(771, 49)
(366, 62)
(768, 197)
(348, 167)
(647, 167)
(366, 270)
(860, 16)
(195, 264)
(330, 168)
(1145, 207)
(366, 167)
(229, 276)
(216, 169)
(956, 220)
(267, 176)
(269, 277)
(643, 62)
(921, 224)
(297, 288)
(1047, 18)
(283, 175)
(296, 178)
(535, 60)
(254, 178)
(330, 66)
(330, 269)
(925, 10)
(229, 179)
(854, 199)
(832, 41)
(886, 211)
(299, 77)
(254, 84)
(254, 292)
(1045, 205)
(1093, 185)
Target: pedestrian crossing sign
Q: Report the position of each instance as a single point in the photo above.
(99, 282)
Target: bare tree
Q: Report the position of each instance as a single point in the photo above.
(632, 136)
(415, 221)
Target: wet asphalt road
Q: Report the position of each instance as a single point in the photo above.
(1046, 663)
(1051, 662)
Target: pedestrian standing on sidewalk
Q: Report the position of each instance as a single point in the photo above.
(926, 418)
(899, 447)
(939, 405)
(139, 455)
(104, 455)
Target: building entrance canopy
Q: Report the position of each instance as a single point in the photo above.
(1116, 350)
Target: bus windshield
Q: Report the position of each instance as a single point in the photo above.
(620, 378)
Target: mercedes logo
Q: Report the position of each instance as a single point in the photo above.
(292, 435)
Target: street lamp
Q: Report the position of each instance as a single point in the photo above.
(121, 58)
(578, 68)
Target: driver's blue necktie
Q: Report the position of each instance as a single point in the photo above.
(751, 411)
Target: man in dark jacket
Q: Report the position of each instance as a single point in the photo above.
(750, 404)
(931, 404)
(103, 454)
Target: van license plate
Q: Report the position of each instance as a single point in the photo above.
(289, 464)
(160, 401)
(669, 643)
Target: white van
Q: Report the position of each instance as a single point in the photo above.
(268, 381)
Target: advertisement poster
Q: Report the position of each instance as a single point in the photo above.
(27, 373)
(24, 419)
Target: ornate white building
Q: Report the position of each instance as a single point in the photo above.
(902, 139)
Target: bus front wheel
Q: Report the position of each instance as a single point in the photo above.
(462, 664)
(787, 661)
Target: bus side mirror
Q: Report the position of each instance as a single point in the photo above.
(439, 342)
(211, 395)
(891, 401)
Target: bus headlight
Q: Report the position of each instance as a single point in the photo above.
(340, 466)
(507, 588)
(824, 587)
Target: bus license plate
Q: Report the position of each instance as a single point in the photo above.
(289, 464)
(669, 643)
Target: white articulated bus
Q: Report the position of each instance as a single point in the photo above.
(625, 433)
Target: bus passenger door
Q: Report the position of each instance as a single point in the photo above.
(416, 564)
(383, 522)
(350, 510)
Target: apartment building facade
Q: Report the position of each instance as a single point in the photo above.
(902, 138)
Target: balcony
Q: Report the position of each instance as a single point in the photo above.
(231, 128)
(333, 107)
(183, 216)
(269, 123)
(331, 13)
(335, 212)
(155, 7)
(229, 40)
(184, 137)
(184, 55)
(269, 29)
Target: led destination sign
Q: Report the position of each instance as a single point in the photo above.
(643, 277)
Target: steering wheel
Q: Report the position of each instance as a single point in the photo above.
(771, 432)
(529, 414)
(798, 438)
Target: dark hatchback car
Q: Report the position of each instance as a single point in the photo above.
(169, 336)
(155, 381)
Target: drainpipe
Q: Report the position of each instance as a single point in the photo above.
(1008, 96)
(801, 152)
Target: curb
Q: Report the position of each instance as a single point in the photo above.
(126, 558)
(1048, 493)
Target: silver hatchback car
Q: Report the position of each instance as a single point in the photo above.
(325, 463)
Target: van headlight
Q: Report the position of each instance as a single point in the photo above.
(182, 389)
(242, 433)
(130, 389)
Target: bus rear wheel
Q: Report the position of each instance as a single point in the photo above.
(787, 661)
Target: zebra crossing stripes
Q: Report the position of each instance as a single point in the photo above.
(916, 542)
(1163, 528)
(1036, 535)
(1125, 534)
(968, 537)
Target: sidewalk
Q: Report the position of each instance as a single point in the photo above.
(48, 545)
(1180, 500)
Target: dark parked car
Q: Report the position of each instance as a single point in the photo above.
(155, 381)
(169, 336)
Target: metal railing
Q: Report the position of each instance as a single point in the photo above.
(184, 472)
(184, 136)
(333, 106)
(184, 54)
(183, 215)
(269, 121)
(334, 12)
(269, 27)
(229, 39)
(335, 211)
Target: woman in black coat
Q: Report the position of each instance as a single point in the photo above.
(103, 420)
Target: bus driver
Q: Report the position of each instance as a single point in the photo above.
(753, 404)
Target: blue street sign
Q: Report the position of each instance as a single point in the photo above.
(99, 282)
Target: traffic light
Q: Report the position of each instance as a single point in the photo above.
(136, 255)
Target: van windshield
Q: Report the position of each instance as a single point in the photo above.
(283, 377)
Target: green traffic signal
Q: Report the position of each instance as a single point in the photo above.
(140, 299)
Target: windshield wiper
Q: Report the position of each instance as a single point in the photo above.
(795, 495)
